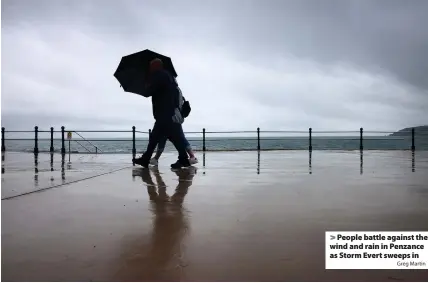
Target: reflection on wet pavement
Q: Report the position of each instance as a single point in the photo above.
(3, 155)
(164, 258)
(248, 217)
(50, 170)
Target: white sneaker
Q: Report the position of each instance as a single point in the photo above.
(193, 160)
(154, 162)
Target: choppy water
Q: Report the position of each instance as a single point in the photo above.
(271, 143)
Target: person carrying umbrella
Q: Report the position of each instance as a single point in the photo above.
(163, 89)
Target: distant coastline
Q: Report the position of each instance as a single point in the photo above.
(420, 131)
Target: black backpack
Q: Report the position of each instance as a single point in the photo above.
(185, 108)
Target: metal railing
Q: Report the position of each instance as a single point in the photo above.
(96, 147)
(360, 138)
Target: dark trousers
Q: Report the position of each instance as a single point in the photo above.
(171, 131)
(162, 143)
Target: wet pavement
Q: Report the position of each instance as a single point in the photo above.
(235, 216)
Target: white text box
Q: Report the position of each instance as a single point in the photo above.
(376, 250)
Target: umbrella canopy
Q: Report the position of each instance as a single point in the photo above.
(133, 70)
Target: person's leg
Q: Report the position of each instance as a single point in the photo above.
(175, 136)
(157, 134)
(186, 143)
(192, 157)
(187, 146)
(189, 150)
(161, 146)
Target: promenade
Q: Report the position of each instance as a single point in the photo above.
(235, 216)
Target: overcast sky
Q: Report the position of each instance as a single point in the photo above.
(277, 65)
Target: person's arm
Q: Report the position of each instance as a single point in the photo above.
(157, 83)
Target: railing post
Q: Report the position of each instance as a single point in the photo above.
(36, 140)
(361, 138)
(134, 150)
(52, 138)
(62, 140)
(96, 150)
(203, 140)
(413, 139)
(258, 139)
(310, 139)
(3, 147)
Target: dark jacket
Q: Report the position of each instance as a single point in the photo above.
(163, 89)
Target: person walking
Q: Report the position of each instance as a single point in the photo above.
(177, 118)
(164, 91)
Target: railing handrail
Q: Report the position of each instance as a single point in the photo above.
(83, 146)
(222, 138)
(96, 147)
(213, 132)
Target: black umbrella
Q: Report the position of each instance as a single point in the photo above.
(133, 70)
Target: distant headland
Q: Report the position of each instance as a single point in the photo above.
(419, 131)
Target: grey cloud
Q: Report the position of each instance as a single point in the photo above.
(388, 35)
(116, 20)
(379, 35)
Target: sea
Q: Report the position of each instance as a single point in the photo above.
(124, 145)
